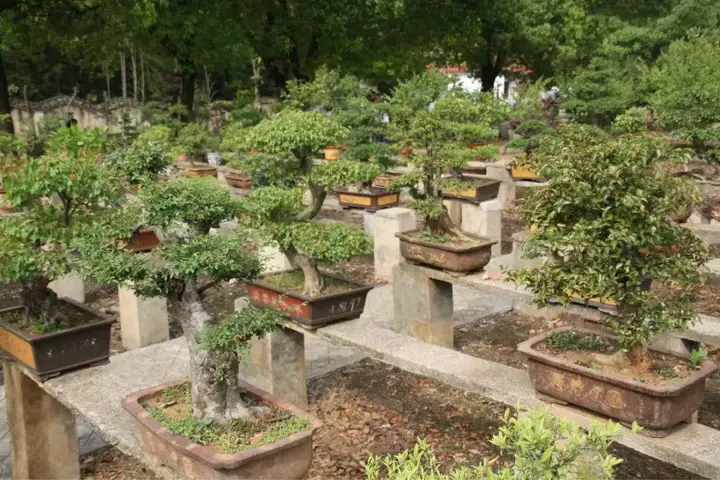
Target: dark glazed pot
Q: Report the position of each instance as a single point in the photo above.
(656, 408)
(446, 257)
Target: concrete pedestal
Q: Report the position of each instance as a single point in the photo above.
(143, 321)
(498, 171)
(484, 220)
(507, 194)
(387, 223)
(277, 365)
(274, 260)
(369, 223)
(423, 306)
(71, 286)
(454, 208)
(43, 434)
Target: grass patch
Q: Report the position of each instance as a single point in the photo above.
(172, 409)
(664, 370)
(294, 280)
(573, 341)
(19, 321)
(429, 237)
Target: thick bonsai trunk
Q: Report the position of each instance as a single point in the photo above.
(638, 356)
(314, 282)
(41, 303)
(443, 225)
(211, 398)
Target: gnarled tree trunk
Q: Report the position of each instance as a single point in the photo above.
(211, 398)
(314, 282)
(41, 303)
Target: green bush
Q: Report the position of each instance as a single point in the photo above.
(194, 140)
(142, 161)
(633, 120)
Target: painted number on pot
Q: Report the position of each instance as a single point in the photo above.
(347, 306)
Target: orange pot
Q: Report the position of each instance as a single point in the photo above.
(332, 152)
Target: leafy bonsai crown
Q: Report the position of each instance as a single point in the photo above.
(604, 222)
(532, 133)
(142, 161)
(194, 140)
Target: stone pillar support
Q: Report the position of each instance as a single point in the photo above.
(507, 194)
(71, 286)
(274, 260)
(484, 220)
(423, 306)
(498, 171)
(388, 222)
(143, 321)
(369, 223)
(454, 208)
(43, 434)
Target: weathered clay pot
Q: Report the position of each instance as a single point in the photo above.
(311, 312)
(372, 201)
(144, 240)
(198, 170)
(287, 458)
(383, 180)
(477, 193)
(446, 257)
(238, 179)
(53, 353)
(657, 408)
(332, 152)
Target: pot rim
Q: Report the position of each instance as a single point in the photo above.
(361, 288)
(374, 192)
(209, 455)
(708, 366)
(102, 319)
(486, 242)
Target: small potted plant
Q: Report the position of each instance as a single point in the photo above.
(532, 132)
(439, 138)
(194, 141)
(604, 222)
(65, 194)
(212, 425)
(277, 213)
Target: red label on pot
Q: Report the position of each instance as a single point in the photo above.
(276, 301)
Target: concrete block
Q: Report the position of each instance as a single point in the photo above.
(277, 365)
(143, 321)
(498, 171)
(369, 223)
(71, 286)
(388, 222)
(454, 208)
(274, 260)
(43, 434)
(506, 194)
(484, 220)
(713, 266)
(423, 306)
(669, 343)
(710, 234)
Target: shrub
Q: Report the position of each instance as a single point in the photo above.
(142, 161)
(194, 140)
(633, 120)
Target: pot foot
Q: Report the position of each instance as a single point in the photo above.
(548, 399)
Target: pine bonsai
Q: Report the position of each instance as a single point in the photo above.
(532, 133)
(189, 261)
(604, 221)
(278, 213)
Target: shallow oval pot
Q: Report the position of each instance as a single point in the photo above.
(53, 353)
(309, 312)
(446, 257)
(372, 201)
(656, 408)
(289, 458)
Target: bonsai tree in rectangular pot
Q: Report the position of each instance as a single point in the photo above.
(193, 142)
(63, 195)
(531, 133)
(438, 136)
(216, 426)
(604, 221)
(280, 216)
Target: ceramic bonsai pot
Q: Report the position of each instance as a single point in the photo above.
(446, 257)
(657, 408)
(332, 152)
(198, 170)
(144, 240)
(238, 179)
(479, 190)
(372, 201)
(519, 172)
(288, 458)
(474, 170)
(309, 312)
(383, 180)
(53, 353)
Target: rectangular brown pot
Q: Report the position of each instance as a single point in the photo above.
(383, 180)
(198, 170)
(238, 180)
(144, 240)
(476, 194)
(288, 458)
(446, 257)
(311, 312)
(372, 201)
(51, 354)
(657, 408)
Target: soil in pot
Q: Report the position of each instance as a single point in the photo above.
(72, 317)
(172, 409)
(447, 240)
(473, 189)
(294, 281)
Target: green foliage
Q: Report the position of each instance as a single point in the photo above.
(604, 221)
(345, 172)
(528, 102)
(194, 140)
(142, 161)
(540, 445)
(687, 96)
(268, 170)
(158, 134)
(11, 145)
(532, 133)
(664, 370)
(75, 139)
(633, 120)
(571, 341)
(697, 356)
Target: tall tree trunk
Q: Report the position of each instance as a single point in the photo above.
(142, 78)
(134, 74)
(5, 108)
(123, 76)
(32, 114)
(187, 96)
(314, 282)
(489, 71)
(108, 92)
(257, 78)
(40, 303)
(211, 398)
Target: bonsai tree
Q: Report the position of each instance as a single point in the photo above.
(194, 140)
(532, 132)
(687, 95)
(142, 161)
(633, 120)
(278, 213)
(64, 194)
(439, 137)
(540, 446)
(604, 221)
(188, 262)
